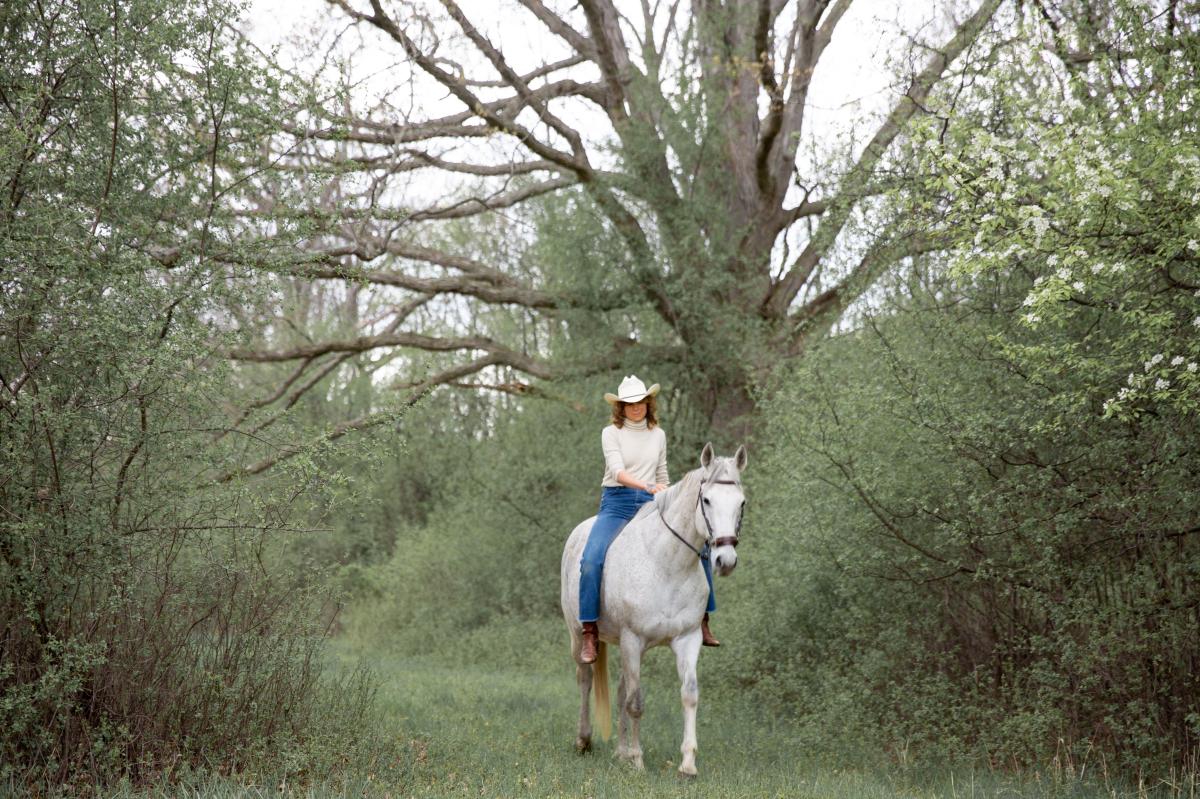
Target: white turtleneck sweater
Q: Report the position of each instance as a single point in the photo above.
(637, 449)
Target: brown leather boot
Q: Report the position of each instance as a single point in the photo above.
(591, 635)
(707, 634)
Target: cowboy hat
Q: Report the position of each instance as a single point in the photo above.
(631, 390)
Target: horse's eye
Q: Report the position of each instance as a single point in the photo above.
(706, 500)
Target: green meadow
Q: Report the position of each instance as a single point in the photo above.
(497, 719)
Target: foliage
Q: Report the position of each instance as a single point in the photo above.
(981, 504)
(1088, 179)
(963, 554)
(143, 625)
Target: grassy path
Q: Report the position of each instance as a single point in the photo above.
(474, 730)
(447, 727)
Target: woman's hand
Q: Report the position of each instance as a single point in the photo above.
(654, 489)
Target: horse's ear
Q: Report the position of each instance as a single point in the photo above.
(706, 455)
(739, 458)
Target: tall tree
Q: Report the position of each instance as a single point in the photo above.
(677, 128)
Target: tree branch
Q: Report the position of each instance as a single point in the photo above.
(776, 303)
(504, 355)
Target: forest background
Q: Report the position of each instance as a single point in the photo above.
(292, 361)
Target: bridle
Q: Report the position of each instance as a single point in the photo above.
(709, 541)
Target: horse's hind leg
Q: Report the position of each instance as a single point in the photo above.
(583, 675)
(687, 652)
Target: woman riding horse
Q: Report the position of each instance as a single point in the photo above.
(635, 468)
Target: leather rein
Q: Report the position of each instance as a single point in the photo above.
(728, 540)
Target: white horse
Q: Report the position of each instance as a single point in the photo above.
(654, 592)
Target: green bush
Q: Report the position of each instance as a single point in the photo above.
(144, 624)
(955, 549)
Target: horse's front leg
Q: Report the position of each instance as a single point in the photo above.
(631, 671)
(622, 717)
(687, 652)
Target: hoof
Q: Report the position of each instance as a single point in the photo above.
(687, 775)
(583, 745)
(633, 759)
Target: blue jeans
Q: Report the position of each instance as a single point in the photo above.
(617, 506)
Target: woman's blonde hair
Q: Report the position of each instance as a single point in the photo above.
(618, 412)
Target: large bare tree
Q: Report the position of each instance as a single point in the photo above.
(677, 124)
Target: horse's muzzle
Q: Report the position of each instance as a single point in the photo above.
(724, 556)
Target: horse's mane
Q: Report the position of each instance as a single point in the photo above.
(720, 469)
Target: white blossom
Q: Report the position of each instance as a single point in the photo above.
(1192, 366)
(1157, 359)
(1193, 245)
(1161, 384)
(1064, 273)
(1078, 286)
(1178, 359)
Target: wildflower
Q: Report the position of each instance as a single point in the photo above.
(1157, 359)
(1196, 322)
(1193, 245)
(1078, 285)
(1192, 366)
(1161, 384)
(1178, 359)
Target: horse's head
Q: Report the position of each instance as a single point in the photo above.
(719, 510)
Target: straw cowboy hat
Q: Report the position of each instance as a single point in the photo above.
(631, 390)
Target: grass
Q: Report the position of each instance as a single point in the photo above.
(494, 716)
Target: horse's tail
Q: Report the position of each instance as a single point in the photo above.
(600, 685)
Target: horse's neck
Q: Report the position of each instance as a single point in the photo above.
(680, 514)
